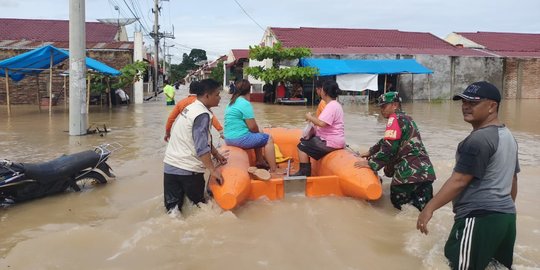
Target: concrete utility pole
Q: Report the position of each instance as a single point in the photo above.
(78, 117)
(138, 56)
(157, 35)
(164, 60)
(156, 46)
(166, 50)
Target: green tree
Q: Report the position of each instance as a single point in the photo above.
(190, 61)
(198, 55)
(177, 73)
(98, 83)
(278, 54)
(130, 73)
(217, 72)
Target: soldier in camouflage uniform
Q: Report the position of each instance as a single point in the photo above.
(403, 156)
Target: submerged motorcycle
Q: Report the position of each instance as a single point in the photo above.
(25, 181)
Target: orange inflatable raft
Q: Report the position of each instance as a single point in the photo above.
(333, 175)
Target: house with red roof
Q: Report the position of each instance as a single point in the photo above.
(204, 71)
(454, 66)
(427, 49)
(521, 54)
(104, 42)
(237, 60)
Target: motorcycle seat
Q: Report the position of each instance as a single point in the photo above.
(63, 167)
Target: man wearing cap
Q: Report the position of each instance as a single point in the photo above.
(403, 156)
(483, 186)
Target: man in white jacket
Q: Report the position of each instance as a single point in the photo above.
(190, 150)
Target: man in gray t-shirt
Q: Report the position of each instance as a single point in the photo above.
(483, 186)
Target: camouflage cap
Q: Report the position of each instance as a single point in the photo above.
(388, 98)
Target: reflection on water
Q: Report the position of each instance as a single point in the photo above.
(123, 226)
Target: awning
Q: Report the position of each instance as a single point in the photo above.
(352, 66)
(38, 60)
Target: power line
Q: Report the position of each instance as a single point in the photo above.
(136, 17)
(138, 10)
(245, 12)
(191, 48)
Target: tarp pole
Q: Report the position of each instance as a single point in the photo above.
(109, 91)
(385, 83)
(313, 93)
(429, 87)
(412, 82)
(65, 94)
(38, 96)
(50, 84)
(101, 94)
(7, 93)
(88, 94)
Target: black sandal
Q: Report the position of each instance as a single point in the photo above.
(263, 166)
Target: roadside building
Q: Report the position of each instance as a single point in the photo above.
(454, 67)
(205, 70)
(236, 61)
(104, 42)
(520, 53)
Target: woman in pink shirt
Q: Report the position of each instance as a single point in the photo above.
(329, 130)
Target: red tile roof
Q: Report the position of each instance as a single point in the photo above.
(29, 44)
(240, 53)
(507, 44)
(345, 37)
(506, 41)
(402, 51)
(345, 40)
(52, 30)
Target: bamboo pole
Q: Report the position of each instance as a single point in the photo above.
(412, 83)
(109, 91)
(385, 77)
(50, 84)
(101, 94)
(88, 94)
(313, 93)
(429, 87)
(38, 96)
(65, 94)
(7, 93)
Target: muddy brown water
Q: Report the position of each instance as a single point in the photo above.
(122, 225)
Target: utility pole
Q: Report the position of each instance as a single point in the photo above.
(78, 116)
(166, 53)
(157, 35)
(138, 56)
(164, 59)
(156, 45)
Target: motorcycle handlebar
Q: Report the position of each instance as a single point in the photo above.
(5, 163)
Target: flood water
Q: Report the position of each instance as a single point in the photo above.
(122, 225)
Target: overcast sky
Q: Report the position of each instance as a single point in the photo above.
(220, 25)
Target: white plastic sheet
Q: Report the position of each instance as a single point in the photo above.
(358, 82)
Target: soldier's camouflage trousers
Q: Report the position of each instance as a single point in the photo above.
(417, 194)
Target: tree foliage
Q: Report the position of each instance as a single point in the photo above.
(217, 72)
(130, 74)
(190, 61)
(278, 54)
(98, 85)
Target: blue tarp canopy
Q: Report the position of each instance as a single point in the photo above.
(38, 60)
(349, 66)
